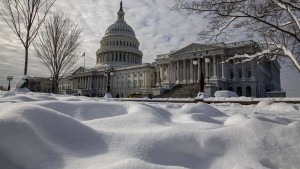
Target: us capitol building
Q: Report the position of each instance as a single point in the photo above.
(120, 71)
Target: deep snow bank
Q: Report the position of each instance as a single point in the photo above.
(50, 131)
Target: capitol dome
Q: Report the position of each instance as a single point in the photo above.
(120, 27)
(119, 46)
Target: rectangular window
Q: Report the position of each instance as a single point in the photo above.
(249, 73)
(134, 83)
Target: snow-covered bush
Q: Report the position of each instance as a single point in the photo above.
(225, 93)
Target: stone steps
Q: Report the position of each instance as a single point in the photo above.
(182, 91)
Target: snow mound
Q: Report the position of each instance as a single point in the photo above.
(137, 164)
(7, 94)
(201, 108)
(242, 167)
(264, 103)
(34, 137)
(225, 93)
(21, 90)
(85, 111)
(282, 107)
(21, 81)
(69, 132)
(235, 119)
(107, 96)
(200, 112)
(201, 95)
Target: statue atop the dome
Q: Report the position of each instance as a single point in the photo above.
(121, 6)
(121, 13)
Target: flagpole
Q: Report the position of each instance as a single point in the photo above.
(83, 59)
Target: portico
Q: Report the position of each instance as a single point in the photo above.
(219, 70)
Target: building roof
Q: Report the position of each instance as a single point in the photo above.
(120, 27)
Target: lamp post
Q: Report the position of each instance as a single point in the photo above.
(9, 78)
(108, 73)
(195, 62)
(207, 60)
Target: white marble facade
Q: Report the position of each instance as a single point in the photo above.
(120, 59)
(247, 78)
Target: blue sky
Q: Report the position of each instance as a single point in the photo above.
(158, 29)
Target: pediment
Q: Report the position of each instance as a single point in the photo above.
(194, 47)
(80, 70)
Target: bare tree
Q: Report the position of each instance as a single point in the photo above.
(25, 17)
(274, 23)
(57, 45)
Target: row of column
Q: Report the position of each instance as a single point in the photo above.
(125, 57)
(89, 82)
(183, 71)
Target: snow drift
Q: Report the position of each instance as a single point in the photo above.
(51, 131)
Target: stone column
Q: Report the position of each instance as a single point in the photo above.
(87, 82)
(172, 72)
(76, 83)
(234, 70)
(144, 80)
(82, 83)
(243, 70)
(79, 82)
(177, 72)
(90, 82)
(199, 70)
(100, 82)
(253, 68)
(161, 70)
(206, 70)
(184, 71)
(223, 68)
(191, 71)
(97, 82)
(157, 75)
(215, 66)
(168, 73)
(73, 84)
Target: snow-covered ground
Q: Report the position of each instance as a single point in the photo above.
(44, 131)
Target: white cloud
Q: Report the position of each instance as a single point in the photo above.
(158, 29)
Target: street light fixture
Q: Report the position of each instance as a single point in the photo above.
(9, 78)
(207, 60)
(195, 62)
(108, 73)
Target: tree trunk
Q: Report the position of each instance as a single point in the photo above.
(56, 84)
(26, 60)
